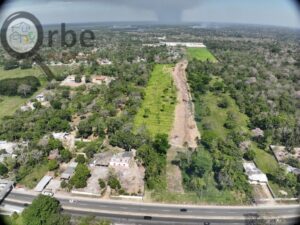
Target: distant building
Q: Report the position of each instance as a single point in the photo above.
(104, 62)
(70, 81)
(99, 79)
(124, 159)
(185, 44)
(42, 184)
(254, 174)
(28, 107)
(68, 173)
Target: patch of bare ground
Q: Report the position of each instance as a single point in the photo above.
(184, 133)
(262, 194)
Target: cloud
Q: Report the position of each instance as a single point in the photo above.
(169, 11)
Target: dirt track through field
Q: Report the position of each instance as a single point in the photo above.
(184, 133)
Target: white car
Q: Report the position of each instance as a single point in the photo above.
(48, 193)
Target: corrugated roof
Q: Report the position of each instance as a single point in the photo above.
(42, 184)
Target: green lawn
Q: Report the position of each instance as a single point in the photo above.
(8, 105)
(37, 173)
(157, 110)
(18, 73)
(265, 161)
(202, 54)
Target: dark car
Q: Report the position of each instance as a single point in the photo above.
(147, 217)
(183, 210)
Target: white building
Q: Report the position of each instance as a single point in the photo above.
(254, 174)
(123, 159)
(185, 44)
(28, 107)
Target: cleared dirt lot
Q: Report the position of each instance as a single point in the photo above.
(184, 133)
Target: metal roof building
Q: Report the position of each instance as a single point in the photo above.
(68, 173)
(5, 187)
(42, 184)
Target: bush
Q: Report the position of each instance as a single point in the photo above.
(113, 182)
(224, 103)
(53, 165)
(249, 155)
(3, 169)
(80, 159)
(65, 155)
(102, 183)
(63, 184)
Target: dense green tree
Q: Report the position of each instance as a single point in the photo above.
(161, 143)
(44, 210)
(53, 164)
(3, 169)
(65, 155)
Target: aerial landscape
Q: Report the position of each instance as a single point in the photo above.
(149, 123)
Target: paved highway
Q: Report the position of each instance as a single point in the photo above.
(165, 214)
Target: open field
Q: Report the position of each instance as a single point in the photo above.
(18, 73)
(217, 116)
(157, 110)
(9, 104)
(201, 54)
(36, 174)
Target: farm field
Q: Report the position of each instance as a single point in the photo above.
(157, 110)
(201, 54)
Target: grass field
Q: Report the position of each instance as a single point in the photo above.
(37, 173)
(217, 115)
(265, 161)
(18, 73)
(157, 110)
(8, 105)
(202, 54)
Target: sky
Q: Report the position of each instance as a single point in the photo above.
(265, 12)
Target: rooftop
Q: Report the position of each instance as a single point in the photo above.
(42, 184)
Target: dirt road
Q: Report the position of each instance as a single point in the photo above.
(185, 132)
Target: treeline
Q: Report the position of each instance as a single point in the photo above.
(264, 83)
(24, 86)
(217, 159)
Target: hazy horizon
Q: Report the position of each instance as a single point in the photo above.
(283, 13)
